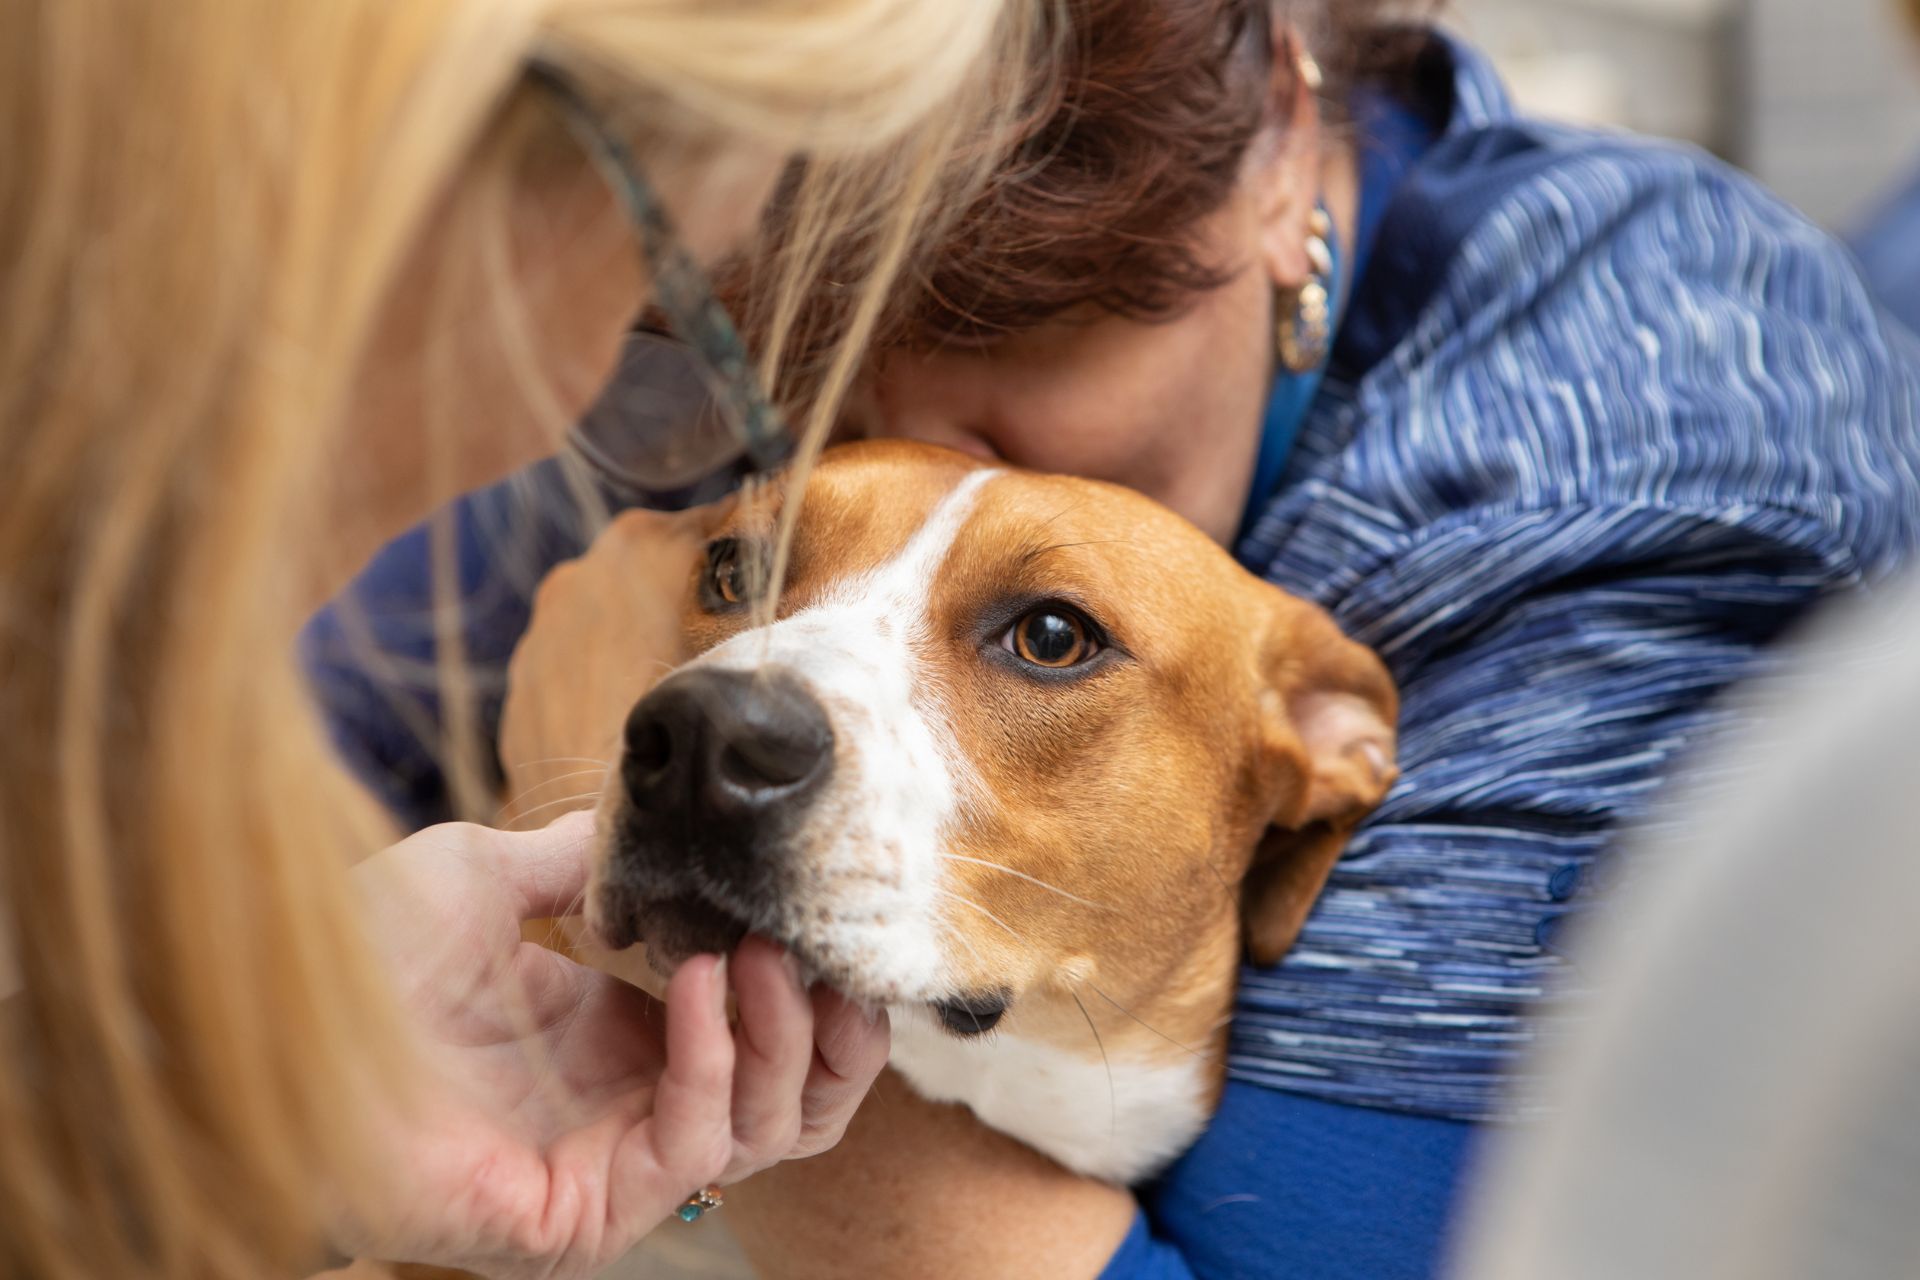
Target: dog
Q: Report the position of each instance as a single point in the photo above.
(1028, 760)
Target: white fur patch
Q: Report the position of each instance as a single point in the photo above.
(868, 908)
(1120, 1119)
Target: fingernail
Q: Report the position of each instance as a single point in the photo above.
(720, 986)
(791, 964)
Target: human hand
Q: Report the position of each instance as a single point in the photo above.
(564, 1112)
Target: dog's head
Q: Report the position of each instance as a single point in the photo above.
(1011, 739)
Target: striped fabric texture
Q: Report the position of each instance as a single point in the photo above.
(1604, 419)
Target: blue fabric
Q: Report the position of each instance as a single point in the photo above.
(1602, 420)
(372, 655)
(1889, 251)
(1285, 1186)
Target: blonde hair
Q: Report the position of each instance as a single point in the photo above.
(206, 205)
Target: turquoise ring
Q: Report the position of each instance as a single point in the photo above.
(708, 1197)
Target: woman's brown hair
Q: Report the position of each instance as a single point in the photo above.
(1141, 133)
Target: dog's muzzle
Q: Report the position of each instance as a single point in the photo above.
(719, 768)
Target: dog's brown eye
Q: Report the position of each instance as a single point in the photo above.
(1051, 637)
(727, 571)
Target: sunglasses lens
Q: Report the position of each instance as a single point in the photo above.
(661, 426)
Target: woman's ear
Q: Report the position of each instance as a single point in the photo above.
(1283, 165)
(1328, 718)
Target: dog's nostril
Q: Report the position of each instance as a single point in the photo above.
(711, 743)
(761, 762)
(649, 746)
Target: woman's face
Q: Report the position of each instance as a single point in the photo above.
(471, 378)
(1169, 408)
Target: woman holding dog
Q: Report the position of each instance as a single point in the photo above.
(274, 277)
(1568, 426)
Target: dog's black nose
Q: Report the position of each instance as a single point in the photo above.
(726, 745)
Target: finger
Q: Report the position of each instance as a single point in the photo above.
(547, 869)
(851, 1046)
(773, 1049)
(688, 1139)
(853, 1042)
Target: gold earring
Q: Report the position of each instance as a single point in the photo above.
(1303, 338)
(1310, 73)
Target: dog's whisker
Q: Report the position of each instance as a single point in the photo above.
(1224, 886)
(1013, 932)
(572, 799)
(1035, 552)
(1051, 888)
(1091, 542)
(575, 905)
(1055, 518)
(961, 937)
(1185, 1048)
(542, 785)
(1113, 1097)
(1204, 1057)
(529, 764)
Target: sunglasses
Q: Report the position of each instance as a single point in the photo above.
(685, 419)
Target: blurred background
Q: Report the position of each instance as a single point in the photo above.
(1818, 98)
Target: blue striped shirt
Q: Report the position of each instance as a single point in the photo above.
(1603, 419)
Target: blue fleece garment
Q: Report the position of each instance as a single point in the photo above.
(1285, 1186)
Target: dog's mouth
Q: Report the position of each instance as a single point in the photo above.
(683, 926)
(678, 927)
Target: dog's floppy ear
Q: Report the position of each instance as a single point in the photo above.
(1327, 724)
(604, 628)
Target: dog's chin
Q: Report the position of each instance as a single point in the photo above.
(678, 920)
(675, 929)
(678, 928)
